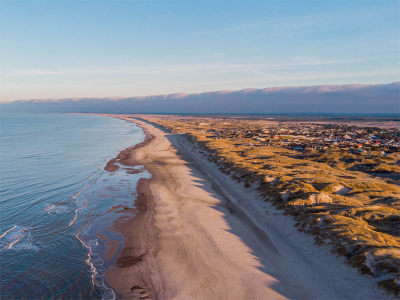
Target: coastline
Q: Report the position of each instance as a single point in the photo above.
(58, 203)
(200, 235)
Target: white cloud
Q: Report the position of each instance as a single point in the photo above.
(265, 79)
(38, 72)
(208, 67)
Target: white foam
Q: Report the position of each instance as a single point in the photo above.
(17, 238)
(96, 264)
(7, 231)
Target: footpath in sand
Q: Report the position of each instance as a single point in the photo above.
(200, 235)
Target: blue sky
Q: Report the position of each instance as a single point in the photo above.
(62, 49)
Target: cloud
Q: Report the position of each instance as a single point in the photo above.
(241, 27)
(181, 68)
(301, 99)
(315, 61)
(267, 78)
(34, 72)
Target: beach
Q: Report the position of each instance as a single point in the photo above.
(200, 235)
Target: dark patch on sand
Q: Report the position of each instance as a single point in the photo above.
(128, 261)
(126, 157)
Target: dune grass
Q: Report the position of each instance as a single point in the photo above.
(331, 194)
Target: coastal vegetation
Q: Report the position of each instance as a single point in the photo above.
(338, 182)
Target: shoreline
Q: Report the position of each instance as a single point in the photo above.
(133, 252)
(200, 235)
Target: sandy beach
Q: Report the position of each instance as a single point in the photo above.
(200, 235)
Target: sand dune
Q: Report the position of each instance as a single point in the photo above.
(199, 235)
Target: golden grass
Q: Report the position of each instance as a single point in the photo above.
(329, 192)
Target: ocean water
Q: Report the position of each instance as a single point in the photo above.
(57, 203)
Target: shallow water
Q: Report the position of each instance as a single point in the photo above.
(57, 203)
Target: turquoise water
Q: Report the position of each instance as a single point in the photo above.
(56, 200)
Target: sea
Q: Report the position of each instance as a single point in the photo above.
(58, 204)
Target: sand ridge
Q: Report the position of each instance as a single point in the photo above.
(197, 236)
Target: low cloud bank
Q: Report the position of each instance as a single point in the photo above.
(377, 98)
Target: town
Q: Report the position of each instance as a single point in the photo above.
(342, 146)
(303, 137)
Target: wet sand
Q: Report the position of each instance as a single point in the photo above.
(198, 234)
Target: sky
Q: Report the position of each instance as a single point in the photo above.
(122, 48)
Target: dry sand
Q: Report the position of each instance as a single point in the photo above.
(200, 235)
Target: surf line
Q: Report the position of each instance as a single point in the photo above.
(16, 241)
(88, 260)
(7, 231)
(93, 269)
(76, 212)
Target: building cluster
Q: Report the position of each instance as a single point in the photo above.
(301, 137)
